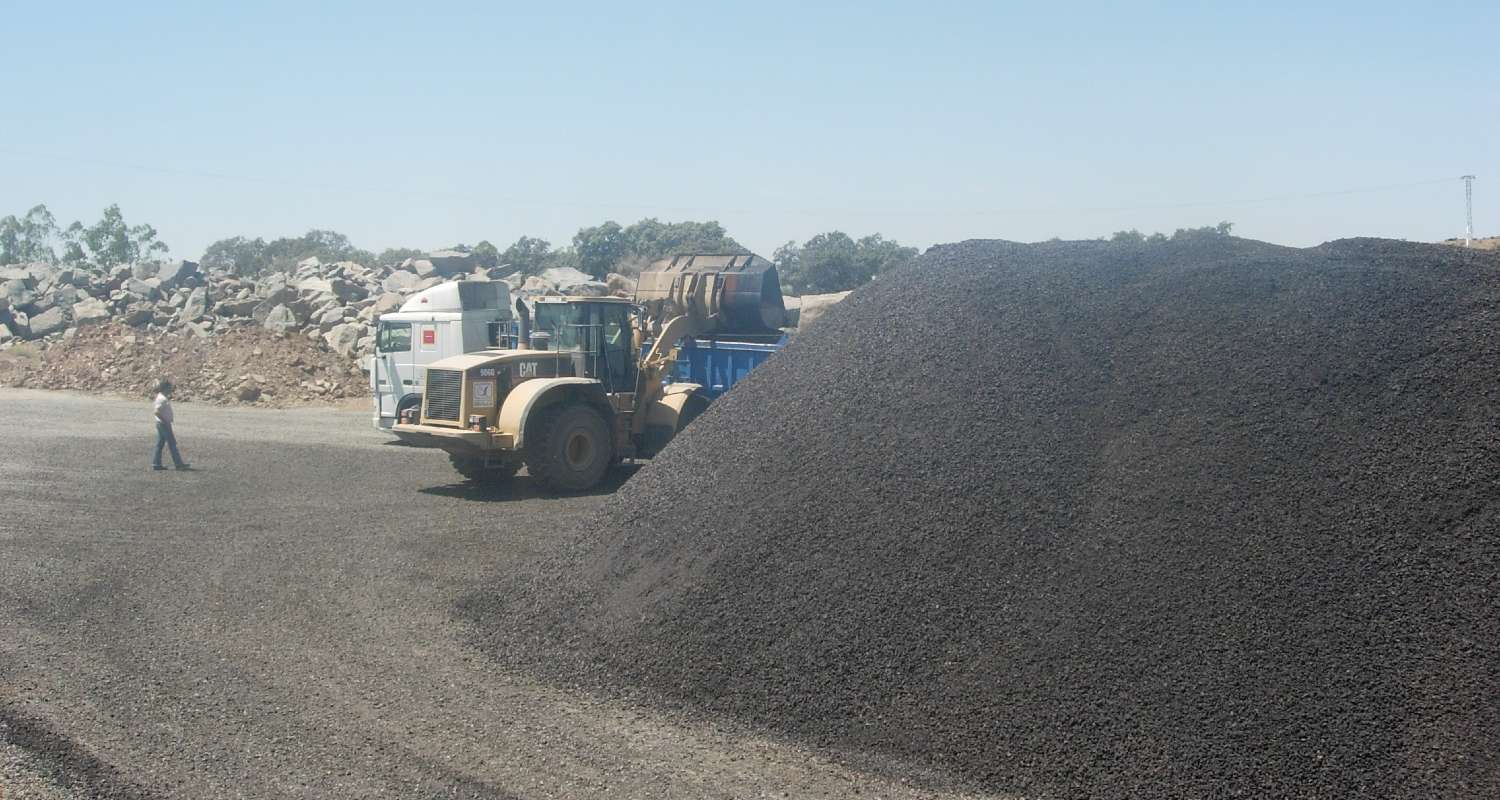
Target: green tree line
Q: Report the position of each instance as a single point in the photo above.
(35, 236)
(828, 262)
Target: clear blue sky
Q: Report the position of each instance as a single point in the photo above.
(926, 122)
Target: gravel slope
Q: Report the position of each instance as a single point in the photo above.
(1214, 518)
(279, 624)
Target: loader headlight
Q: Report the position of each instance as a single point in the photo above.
(477, 422)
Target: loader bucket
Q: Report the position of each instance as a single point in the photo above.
(746, 293)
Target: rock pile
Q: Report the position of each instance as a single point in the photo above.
(240, 365)
(336, 303)
(1202, 519)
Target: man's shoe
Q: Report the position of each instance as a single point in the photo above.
(183, 467)
(157, 467)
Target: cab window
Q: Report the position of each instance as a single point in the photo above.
(393, 337)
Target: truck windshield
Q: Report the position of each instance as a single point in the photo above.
(394, 337)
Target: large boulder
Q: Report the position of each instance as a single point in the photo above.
(196, 304)
(386, 303)
(238, 308)
(90, 312)
(141, 289)
(142, 270)
(280, 320)
(177, 273)
(314, 286)
(19, 324)
(587, 289)
(448, 263)
(18, 291)
(344, 339)
(138, 315)
(620, 285)
(565, 277)
(347, 291)
(48, 322)
(400, 281)
(65, 296)
(275, 290)
(535, 285)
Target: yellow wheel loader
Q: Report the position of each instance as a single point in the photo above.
(587, 382)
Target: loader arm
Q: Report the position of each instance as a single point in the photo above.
(659, 361)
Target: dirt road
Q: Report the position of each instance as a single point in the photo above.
(279, 623)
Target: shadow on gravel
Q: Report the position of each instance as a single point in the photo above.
(67, 762)
(522, 487)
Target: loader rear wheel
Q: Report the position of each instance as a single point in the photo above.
(568, 448)
(475, 469)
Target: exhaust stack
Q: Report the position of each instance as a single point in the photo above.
(524, 315)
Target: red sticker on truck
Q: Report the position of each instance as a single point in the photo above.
(429, 336)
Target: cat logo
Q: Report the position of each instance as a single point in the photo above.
(526, 369)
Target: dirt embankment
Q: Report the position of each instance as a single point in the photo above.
(246, 365)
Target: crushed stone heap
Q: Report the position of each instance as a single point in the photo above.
(1206, 518)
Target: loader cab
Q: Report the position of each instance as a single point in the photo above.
(596, 333)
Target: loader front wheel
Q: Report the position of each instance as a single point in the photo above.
(568, 449)
(476, 470)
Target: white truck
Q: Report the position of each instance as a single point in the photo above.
(445, 320)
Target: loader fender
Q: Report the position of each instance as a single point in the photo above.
(679, 404)
(530, 397)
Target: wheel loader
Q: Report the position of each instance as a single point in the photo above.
(588, 382)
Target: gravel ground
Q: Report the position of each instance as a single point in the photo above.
(1209, 519)
(279, 623)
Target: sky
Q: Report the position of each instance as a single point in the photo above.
(402, 125)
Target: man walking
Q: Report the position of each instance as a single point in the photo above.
(164, 438)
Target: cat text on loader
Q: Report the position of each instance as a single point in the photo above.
(586, 384)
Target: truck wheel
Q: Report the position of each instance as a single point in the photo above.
(568, 449)
(409, 401)
(475, 470)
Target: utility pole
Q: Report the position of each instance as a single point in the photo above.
(1468, 209)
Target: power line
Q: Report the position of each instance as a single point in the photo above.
(529, 202)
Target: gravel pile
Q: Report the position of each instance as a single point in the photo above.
(1210, 518)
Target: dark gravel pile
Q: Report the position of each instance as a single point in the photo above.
(1206, 519)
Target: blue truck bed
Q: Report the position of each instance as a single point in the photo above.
(717, 364)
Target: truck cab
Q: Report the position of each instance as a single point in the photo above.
(442, 321)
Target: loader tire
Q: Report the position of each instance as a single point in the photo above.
(475, 470)
(696, 404)
(568, 449)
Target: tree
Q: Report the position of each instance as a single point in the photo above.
(652, 239)
(529, 255)
(237, 255)
(833, 262)
(396, 255)
(110, 242)
(72, 239)
(28, 238)
(1134, 236)
(486, 255)
(599, 248)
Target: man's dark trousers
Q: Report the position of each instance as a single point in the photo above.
(164, 438)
